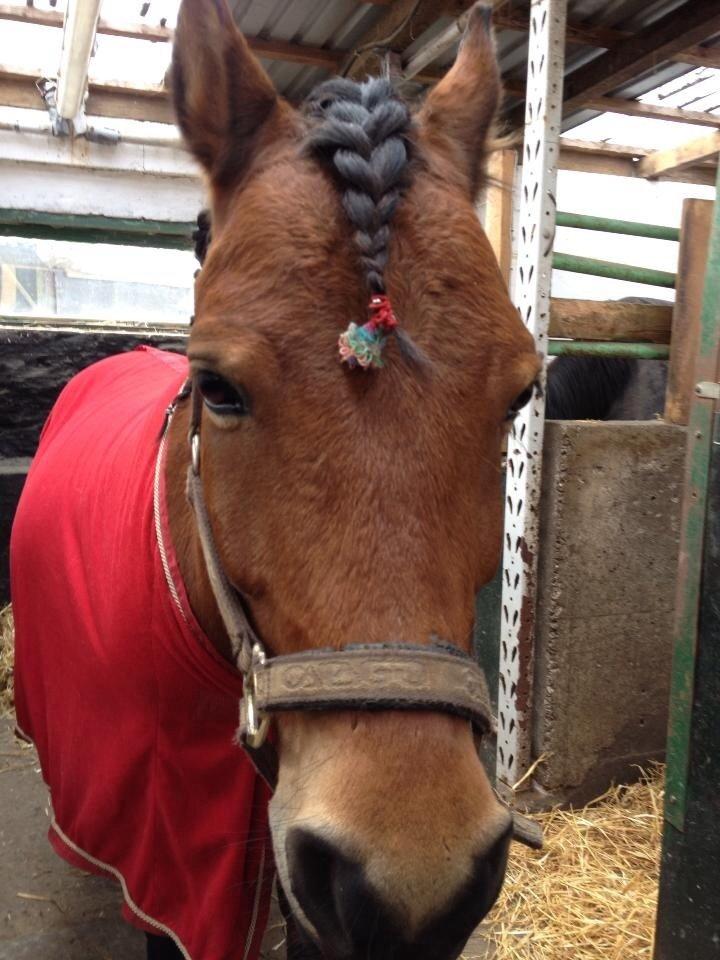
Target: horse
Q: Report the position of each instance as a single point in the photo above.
(297, 516)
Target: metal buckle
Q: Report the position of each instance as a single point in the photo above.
(195, 452)
(255, 725)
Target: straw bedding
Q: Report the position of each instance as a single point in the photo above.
(6, 660)
(591, 893)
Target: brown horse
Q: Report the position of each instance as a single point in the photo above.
(353, 506)
(349, 505)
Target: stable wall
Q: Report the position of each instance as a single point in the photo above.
(609, 519)
(35, 364)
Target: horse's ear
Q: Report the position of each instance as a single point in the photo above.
(226, 105)
(457, 116)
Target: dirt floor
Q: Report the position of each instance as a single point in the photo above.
(48, 910)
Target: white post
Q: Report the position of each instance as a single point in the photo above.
(536, 229)
(79, 29)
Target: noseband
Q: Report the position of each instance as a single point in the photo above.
(385, 676)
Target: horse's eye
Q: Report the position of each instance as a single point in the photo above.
(521, 401)
(220, 396)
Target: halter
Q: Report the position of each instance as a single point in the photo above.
(386, 676)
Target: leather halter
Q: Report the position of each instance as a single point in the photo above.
(388, 676)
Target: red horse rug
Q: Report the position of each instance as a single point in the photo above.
(132, 711)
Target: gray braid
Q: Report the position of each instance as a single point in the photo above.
(363, 132)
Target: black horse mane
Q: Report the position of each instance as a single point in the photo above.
(360, 132)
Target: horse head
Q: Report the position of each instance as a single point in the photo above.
(359, 362)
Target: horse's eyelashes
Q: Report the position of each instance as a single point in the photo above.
(222, 397)
(521, 401)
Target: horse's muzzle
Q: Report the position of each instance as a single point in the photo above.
(351, 920)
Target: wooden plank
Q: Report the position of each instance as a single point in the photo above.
(610, 320)
(633, 108)
(700, 56)
(622, 161)
(499, 208)
(695, 232)
(694, 151)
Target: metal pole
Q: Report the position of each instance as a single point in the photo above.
(629, 227)
(79, 29)
(92, 228)
(536, 228)
(608, 348)
(616, 271)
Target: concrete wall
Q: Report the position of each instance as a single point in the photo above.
(35, 364)
(609, 535)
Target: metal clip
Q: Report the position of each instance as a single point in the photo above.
(195, 452)
(708, 390)
(253, 724)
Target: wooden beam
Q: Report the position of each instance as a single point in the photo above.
(610, 320)
(270, 49)
(633, 108)
(667, 161)
(697, 217)
(499, 208)
(118, 100)
(623, 161)
(296, 53)
(673, 33)
(700, 56)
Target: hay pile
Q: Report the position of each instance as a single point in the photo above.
(591, 893)
(7, 649)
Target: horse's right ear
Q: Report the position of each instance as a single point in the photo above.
(226, 105)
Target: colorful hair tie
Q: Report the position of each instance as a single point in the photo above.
(361, 346)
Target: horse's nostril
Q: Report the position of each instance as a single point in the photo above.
(332, 891)
(352, 920)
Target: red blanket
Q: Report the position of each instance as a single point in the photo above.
(132, 711)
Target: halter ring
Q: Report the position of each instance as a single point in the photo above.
(256, 724)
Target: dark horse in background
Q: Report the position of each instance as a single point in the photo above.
(606, 388)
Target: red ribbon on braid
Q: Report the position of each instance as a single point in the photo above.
(382, 315)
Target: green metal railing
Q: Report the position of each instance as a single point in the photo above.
(616, 271)
(168, 234)
(628, 227)
(607, 348)
(178, 235)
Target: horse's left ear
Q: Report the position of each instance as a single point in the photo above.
(226, 105)
(458, 115)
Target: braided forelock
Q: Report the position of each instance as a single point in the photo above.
(363, 132)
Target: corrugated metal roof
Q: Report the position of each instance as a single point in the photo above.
(341, 25)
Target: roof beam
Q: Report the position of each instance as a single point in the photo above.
(623, 161)
(692, 152)
(118, 100)
(653, 111)
(607, 38)
(673, 33)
